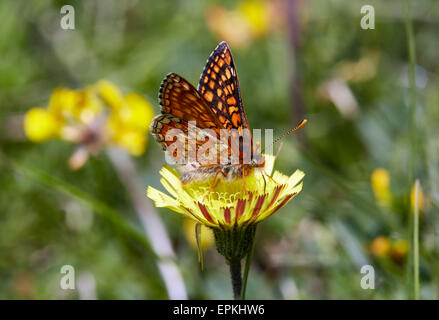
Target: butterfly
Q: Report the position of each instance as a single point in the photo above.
(213, 112)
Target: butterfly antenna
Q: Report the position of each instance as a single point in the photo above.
(300, 125)
(279, 148)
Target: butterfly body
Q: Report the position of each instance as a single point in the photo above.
(228, 172)
(213, 114)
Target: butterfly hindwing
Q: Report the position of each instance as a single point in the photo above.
(188, 141)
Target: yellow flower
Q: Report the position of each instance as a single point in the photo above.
(133, 141)
(380, 180)
(110, 94)
(64, 102)
(399, 250)
(136, 112)
(128, 124)
(384, 248)
(93, 117)
(380, 246)
(228, 25)
(230, 211)
(241, 25)
(228, 205)
(40, 125)
(412, 199)
(256, 13)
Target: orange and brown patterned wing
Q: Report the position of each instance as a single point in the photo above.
(184, 109)
(177, 97)
(162, 124)
(220, 88)
(182, 141)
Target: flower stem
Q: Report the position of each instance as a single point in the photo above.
(234, 244)
(235, 274)
(248, 262)
(412, 90)
(414, 143)
(416, 242)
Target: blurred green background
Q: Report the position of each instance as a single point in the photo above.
(295, 59)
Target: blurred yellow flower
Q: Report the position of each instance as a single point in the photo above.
(135, 111)
(412, 199)
(63, 102)
(256, 13)
(75, 105)
(380, 180)
(383, 247)
(94, 117)
(380, 246)
(240, 26)
(207, 238)
(40, 125)
(132, 140)
(399, 250)
(110, 94)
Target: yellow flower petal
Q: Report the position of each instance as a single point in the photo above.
(40, 125)
(269, 164)
(136, 112)
(256, 13)
(163, 200)
(380, 246)
(111, 94)
(64, 102)
(80, 106)
(133, 141)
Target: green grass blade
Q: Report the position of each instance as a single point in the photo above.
(103, 210)
(416, 242)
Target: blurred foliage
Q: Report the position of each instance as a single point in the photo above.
(302, 59)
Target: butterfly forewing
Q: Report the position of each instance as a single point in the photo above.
(220, 88)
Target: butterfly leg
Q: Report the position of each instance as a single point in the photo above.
(266, 174)
(265, 183)
(214, 182)
(243, 180)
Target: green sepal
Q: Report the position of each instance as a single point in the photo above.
(200, 250)
(236, 242)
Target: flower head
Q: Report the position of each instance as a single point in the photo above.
(250, 20)
(383, 247)
(97, 116)
(228, 205)
(413, 199)
(380, 180)
(380, 246)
